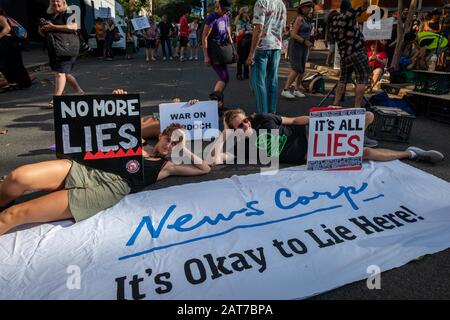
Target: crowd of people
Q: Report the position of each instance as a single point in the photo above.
(77, 192)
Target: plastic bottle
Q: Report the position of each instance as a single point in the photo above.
(432, 63)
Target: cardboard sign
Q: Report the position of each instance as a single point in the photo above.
(336, 138)
(104, 12)
(102, 132)
(382, 33)
(140, 23)
(200, 120)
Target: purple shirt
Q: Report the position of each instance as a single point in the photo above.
(219, 25)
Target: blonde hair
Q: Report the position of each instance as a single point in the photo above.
(50, 7)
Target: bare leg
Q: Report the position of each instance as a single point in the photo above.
(60, 83)
(220, 86)
(385, 154)
(47, 176)
(339, 93)
(74, 84)
(359, 94)
(376, 76)
(298, 81)
(51, 207)
(369, 118)
(291, 79)
(150, 127)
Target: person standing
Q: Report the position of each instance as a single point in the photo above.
(175, 48)
(109, 39)
(100, 36)
(129, 40)
(166, 31)
(331, 43)
(217, 33)
(60, 22)
(193, 40)
(11, 63)
(243, 41)
(150, 36)
(352, 49)
(299, 49)
(269, 20)
(184, 34)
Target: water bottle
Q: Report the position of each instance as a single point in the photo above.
(432, 63)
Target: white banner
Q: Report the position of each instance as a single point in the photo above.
(201, 120)
(383, 33)
(336, 138)
(140, 23)
(294, 235)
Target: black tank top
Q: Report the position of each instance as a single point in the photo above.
(152, 168)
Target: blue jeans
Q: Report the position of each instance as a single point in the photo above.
(264, 79)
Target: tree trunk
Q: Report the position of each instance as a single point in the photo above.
(401, 28)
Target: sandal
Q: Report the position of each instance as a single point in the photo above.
(50, 105)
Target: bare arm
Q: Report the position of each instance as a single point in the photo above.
(297, 121)
(206, 32)
(256, 38)
(5, 25)
(197, 168)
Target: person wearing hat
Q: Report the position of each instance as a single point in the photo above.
(217, 32)
(299, 49)
(269, 21)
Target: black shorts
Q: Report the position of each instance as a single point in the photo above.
(184, 42)
(150, 44)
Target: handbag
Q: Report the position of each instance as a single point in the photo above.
(117, 35)
(64, 44)
(222, 53)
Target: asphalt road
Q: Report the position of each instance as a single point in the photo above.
(30, 133)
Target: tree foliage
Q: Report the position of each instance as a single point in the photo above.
(174, 9)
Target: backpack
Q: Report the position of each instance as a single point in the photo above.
(17, 30)
(314, 83)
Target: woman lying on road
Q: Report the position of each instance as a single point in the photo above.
(294, 150)
(79, 192)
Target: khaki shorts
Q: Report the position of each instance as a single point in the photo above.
(92, 190)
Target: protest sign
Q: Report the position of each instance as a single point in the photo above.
(104, 12)
(101, 131)
(382, 33)
(140, 23)
(336, 138)
(201, 120)
(292, 236)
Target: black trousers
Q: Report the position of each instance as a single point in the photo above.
(243, 50)
(11, 63)
(166, 42)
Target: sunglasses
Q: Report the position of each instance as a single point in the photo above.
(243, 123)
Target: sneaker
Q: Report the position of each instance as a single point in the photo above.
(171, 58)
(298, 94)
(431, 156)
(190, 58)
(370, 143)
(196, 58)
(286, 94)
(164, 58)
(181, 59)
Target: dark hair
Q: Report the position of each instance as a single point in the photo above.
(346, 5)
(2, 12)
(170, 129)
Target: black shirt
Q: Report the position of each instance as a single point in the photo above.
(164, 29)
(346, 32)
(152, 168)
(292, 139)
